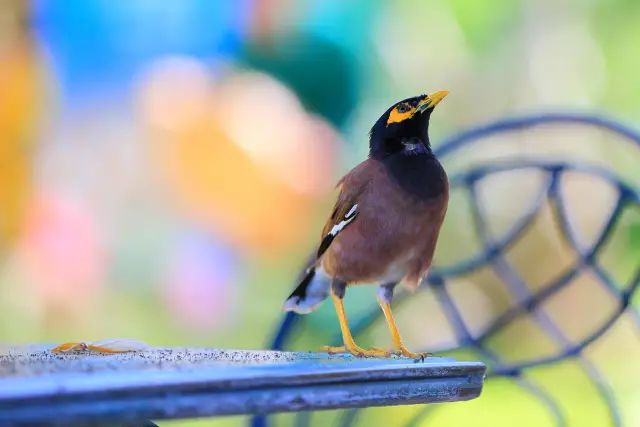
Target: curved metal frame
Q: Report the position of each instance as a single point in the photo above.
(492, 255)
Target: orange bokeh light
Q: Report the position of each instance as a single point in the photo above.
(242, 155)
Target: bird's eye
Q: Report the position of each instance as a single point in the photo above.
(402, 108)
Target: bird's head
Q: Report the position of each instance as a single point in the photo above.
(403, 128)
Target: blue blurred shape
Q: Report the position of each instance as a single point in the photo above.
(99, 45)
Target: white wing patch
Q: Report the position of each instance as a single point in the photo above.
(347, 219)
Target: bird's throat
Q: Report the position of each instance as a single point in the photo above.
(419, 173)
(414, 146)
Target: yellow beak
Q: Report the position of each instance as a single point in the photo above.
(432, 100)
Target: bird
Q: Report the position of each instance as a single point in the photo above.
(385, 223)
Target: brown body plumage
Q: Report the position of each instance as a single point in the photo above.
(405, 228)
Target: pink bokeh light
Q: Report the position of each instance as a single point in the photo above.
(199, 283)
(62, 251)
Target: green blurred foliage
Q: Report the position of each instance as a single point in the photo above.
(485, 23)
(328, 86)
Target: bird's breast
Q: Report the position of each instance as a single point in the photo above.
(391, 236)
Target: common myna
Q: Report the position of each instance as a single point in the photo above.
(385, 223)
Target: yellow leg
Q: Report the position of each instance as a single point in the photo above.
(349, 343)
(395, 334)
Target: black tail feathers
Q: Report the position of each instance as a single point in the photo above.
(312, 290)
(300, 292)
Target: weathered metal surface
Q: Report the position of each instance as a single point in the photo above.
(37, 386)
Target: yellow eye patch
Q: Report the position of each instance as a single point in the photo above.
(400, 113)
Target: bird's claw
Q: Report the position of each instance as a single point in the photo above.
(376, 352)
(418, 357)
(357, 351)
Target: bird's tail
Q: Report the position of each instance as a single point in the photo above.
(312, 290)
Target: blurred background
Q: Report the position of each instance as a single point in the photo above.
(165, 168)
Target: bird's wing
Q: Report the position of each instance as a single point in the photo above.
(314, 285)
(344, 213)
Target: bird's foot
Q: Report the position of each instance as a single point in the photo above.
(405, 352)
(104, 346)
(357, 351)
